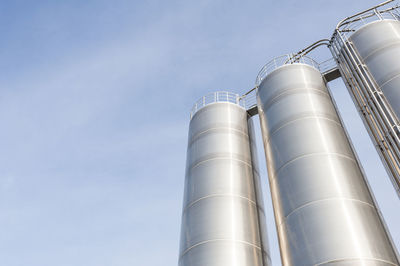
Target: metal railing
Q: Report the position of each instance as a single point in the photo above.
(327, 65)
(219, 96)
(250, 98)
(378, 117)
(349, 25)
(283, 60)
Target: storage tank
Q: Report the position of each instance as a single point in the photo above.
(367, 49)
(378, 45)
(223, 221)
(324, 211)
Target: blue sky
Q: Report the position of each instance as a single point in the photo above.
(94, 112)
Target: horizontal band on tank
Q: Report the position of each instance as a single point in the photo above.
(280, 94)
(248, 164)
(221, 195)
(324, 200)
(191, 204)
(229, 130)
(220, 218)
(233, 126)
(276, 172)
(381, 48)
(289, 121)
(357, 260)
(195, 164)
(226, 240)
(380, 74)
(389, 80)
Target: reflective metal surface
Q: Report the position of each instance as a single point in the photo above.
(223, 221)
(324, 210)
(378, 44)
(367, 54)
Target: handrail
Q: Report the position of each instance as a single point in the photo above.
(218, 96)
(279, 61)
(362, 12)
(350, 24)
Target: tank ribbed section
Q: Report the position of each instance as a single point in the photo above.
(223, 220)
(378, 45)
(324, 210)
(369, 65)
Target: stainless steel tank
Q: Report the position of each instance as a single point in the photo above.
(223, 221)
(324, 211)
(378, 45)
(367, 49)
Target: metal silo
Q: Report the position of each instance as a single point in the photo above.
(324, 211)
(367, 49)
(378, 45)
(223, 220)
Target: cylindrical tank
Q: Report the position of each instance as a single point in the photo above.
(223, 219)
(324, 211)
(378, 45)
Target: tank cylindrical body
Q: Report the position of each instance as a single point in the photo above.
(378, 45)
(324, 211)
(368, 59)
(223, 219)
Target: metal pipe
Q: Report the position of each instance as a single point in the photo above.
(308, 49)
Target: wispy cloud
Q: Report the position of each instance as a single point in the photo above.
(94, 108)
